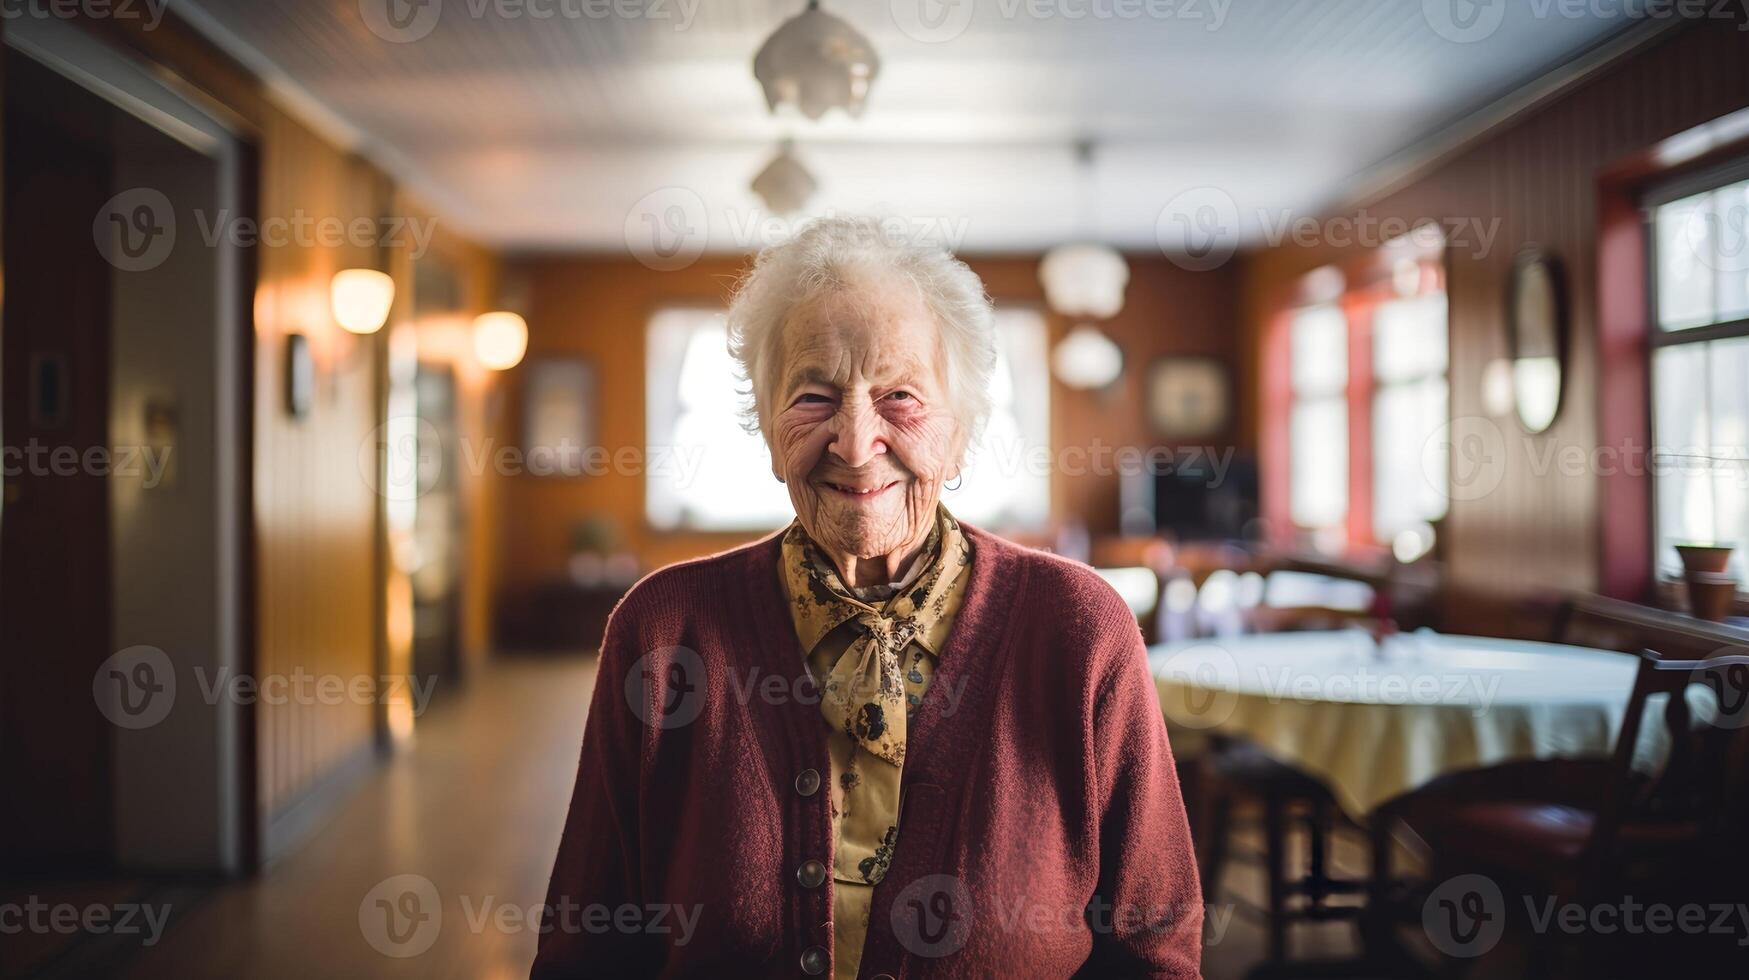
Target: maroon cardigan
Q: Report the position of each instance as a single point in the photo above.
(1041, 832)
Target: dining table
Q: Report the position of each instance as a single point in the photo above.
(1376, 718)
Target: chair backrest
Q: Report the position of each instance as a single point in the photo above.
(1611, 624)
(1700, 780)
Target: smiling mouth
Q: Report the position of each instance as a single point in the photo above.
(859, 493)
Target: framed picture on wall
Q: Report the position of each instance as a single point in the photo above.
(1189, 397)
(558, 416)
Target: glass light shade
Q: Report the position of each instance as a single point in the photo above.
(361, 298)
(500, 339)
(785, 185)
(816, 62)
(1412, 544)
(1087, 359)
(1084, 280)
(1536, 388)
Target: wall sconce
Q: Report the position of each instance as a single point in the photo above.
(500, 339)
(360, 299)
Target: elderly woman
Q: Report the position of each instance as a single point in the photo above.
(879, 742)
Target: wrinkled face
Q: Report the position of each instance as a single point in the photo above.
(862, 435)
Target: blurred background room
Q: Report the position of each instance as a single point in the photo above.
(1389, 357)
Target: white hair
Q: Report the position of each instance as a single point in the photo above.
(829, 254)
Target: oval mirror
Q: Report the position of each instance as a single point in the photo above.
(1537, 329)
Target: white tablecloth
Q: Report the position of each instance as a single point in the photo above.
(1373, 722)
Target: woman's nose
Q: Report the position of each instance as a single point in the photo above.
(857, 437)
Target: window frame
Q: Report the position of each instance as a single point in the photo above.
(1692, 184)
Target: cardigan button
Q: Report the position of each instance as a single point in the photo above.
(814, 960)
(811, 874)
(808, 783)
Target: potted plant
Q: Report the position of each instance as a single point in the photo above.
(1711, 588)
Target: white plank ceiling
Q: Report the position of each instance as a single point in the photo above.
(545, 132)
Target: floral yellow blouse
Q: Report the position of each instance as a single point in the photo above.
(872, 652)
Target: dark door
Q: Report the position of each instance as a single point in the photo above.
(55, 588)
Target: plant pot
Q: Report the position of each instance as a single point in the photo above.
(1710, 595)
(1711, 558)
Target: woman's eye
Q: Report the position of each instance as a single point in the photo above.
(810, 398)
(899, 396)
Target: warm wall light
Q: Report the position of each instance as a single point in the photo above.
(361, 298)
(500, 339)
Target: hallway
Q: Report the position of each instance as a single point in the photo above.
(475, 807)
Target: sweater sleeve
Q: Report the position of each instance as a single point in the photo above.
(1147, 913)
(596, 871)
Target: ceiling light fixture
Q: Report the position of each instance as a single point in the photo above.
(785, 185)
(1087, 359)
(1085, 279)
(816, 62)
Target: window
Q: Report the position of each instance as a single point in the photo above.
(1700, 363)
(1007, 481)
(1380, 425)
(1410, 403)
(1318, 420)
(707, 473)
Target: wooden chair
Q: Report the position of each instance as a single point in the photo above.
(1234, 771)
(1611, 624)
(1573, 828)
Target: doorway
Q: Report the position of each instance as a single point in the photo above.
(122, 569)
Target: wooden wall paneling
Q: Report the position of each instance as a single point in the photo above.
(315, 509)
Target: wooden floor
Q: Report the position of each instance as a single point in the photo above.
(475, 807)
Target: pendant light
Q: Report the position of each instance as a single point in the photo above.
(816, 62)
(785, 185)
(1085, 280)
